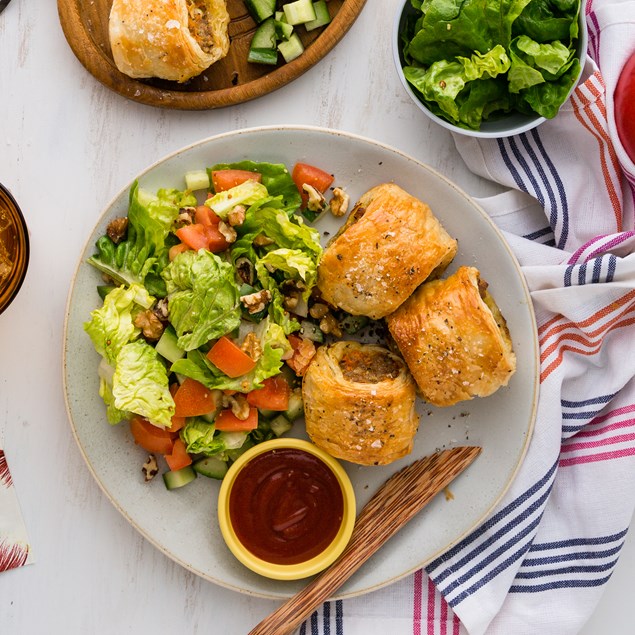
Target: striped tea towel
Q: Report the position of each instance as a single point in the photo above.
(15, 550)
(539, 563)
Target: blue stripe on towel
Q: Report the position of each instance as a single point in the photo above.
(600, 399)
(564, 204)
(326, 617)
(543, 178)
(539, 233)
(537, 192)
(578, 555)
(543, 573)
(560, 584)
(461, 566)
(495, 519)
(583, 570)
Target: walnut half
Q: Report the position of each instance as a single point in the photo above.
(150, 468)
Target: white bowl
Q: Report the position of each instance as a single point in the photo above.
(505, 126)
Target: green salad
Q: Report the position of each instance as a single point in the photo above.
(205, 326)
(474, 60)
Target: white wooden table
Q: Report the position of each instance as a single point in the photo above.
(67, 146)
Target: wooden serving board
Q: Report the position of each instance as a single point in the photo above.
(229, 81)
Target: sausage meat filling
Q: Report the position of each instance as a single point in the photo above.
(367, 367)
(200, 25)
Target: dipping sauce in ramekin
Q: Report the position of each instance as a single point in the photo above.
(286, 509)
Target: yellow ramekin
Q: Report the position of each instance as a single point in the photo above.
(302, 569)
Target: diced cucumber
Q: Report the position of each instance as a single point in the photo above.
(179, 478)
(295, 409)
(260, 9)
(104, 289)
(283, 30)
(280, 425)
(322, 16)
(287, 372)
(263, 56)
(299, 12)
(232, 455)
(267, 414)
(197, 180)
(233, 440)
(353, 323)
(311, 331)
(265, 35)
(168, 347)
(279, 16)
(210, 466)
(291, 48)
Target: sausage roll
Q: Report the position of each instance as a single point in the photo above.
(454, 339)
(359, 403)
(170, 39)
(390, 243)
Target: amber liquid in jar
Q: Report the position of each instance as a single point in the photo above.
(14, 248)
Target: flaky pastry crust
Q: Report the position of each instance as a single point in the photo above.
(359, 403)
(454, 339)
(153, 38)
(390, 243)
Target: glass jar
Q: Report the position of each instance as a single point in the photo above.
(14, 248)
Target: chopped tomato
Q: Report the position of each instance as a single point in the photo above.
(303, 352)
(198, 236)
(179, 457)
(175, 250)
(149, 437)
(229, 358)
(226, 179)
(193, 399)
(216, 242)
(227, 421)
(194, 236)
(206, 216)
(274, 395)
(309, 174)
(177, 422)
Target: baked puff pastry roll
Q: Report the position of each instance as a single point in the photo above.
(169, 39)
(390, 243)
(454, 339)
(359, 403)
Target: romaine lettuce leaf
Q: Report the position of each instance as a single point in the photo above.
(295, 263)
(246, 193)
(538, 36)
(298, 252)
(200, 438)
(284, 231)
(140, 384)
(274, 345)
(143, 253)
(548, 20)
(111, 326)
(203, 298)
(550, 57)
(463, 27)
(444, 81)
(546, 98)
(113, 414)
(275, 177)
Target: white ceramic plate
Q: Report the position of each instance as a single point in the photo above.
(183, 523)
